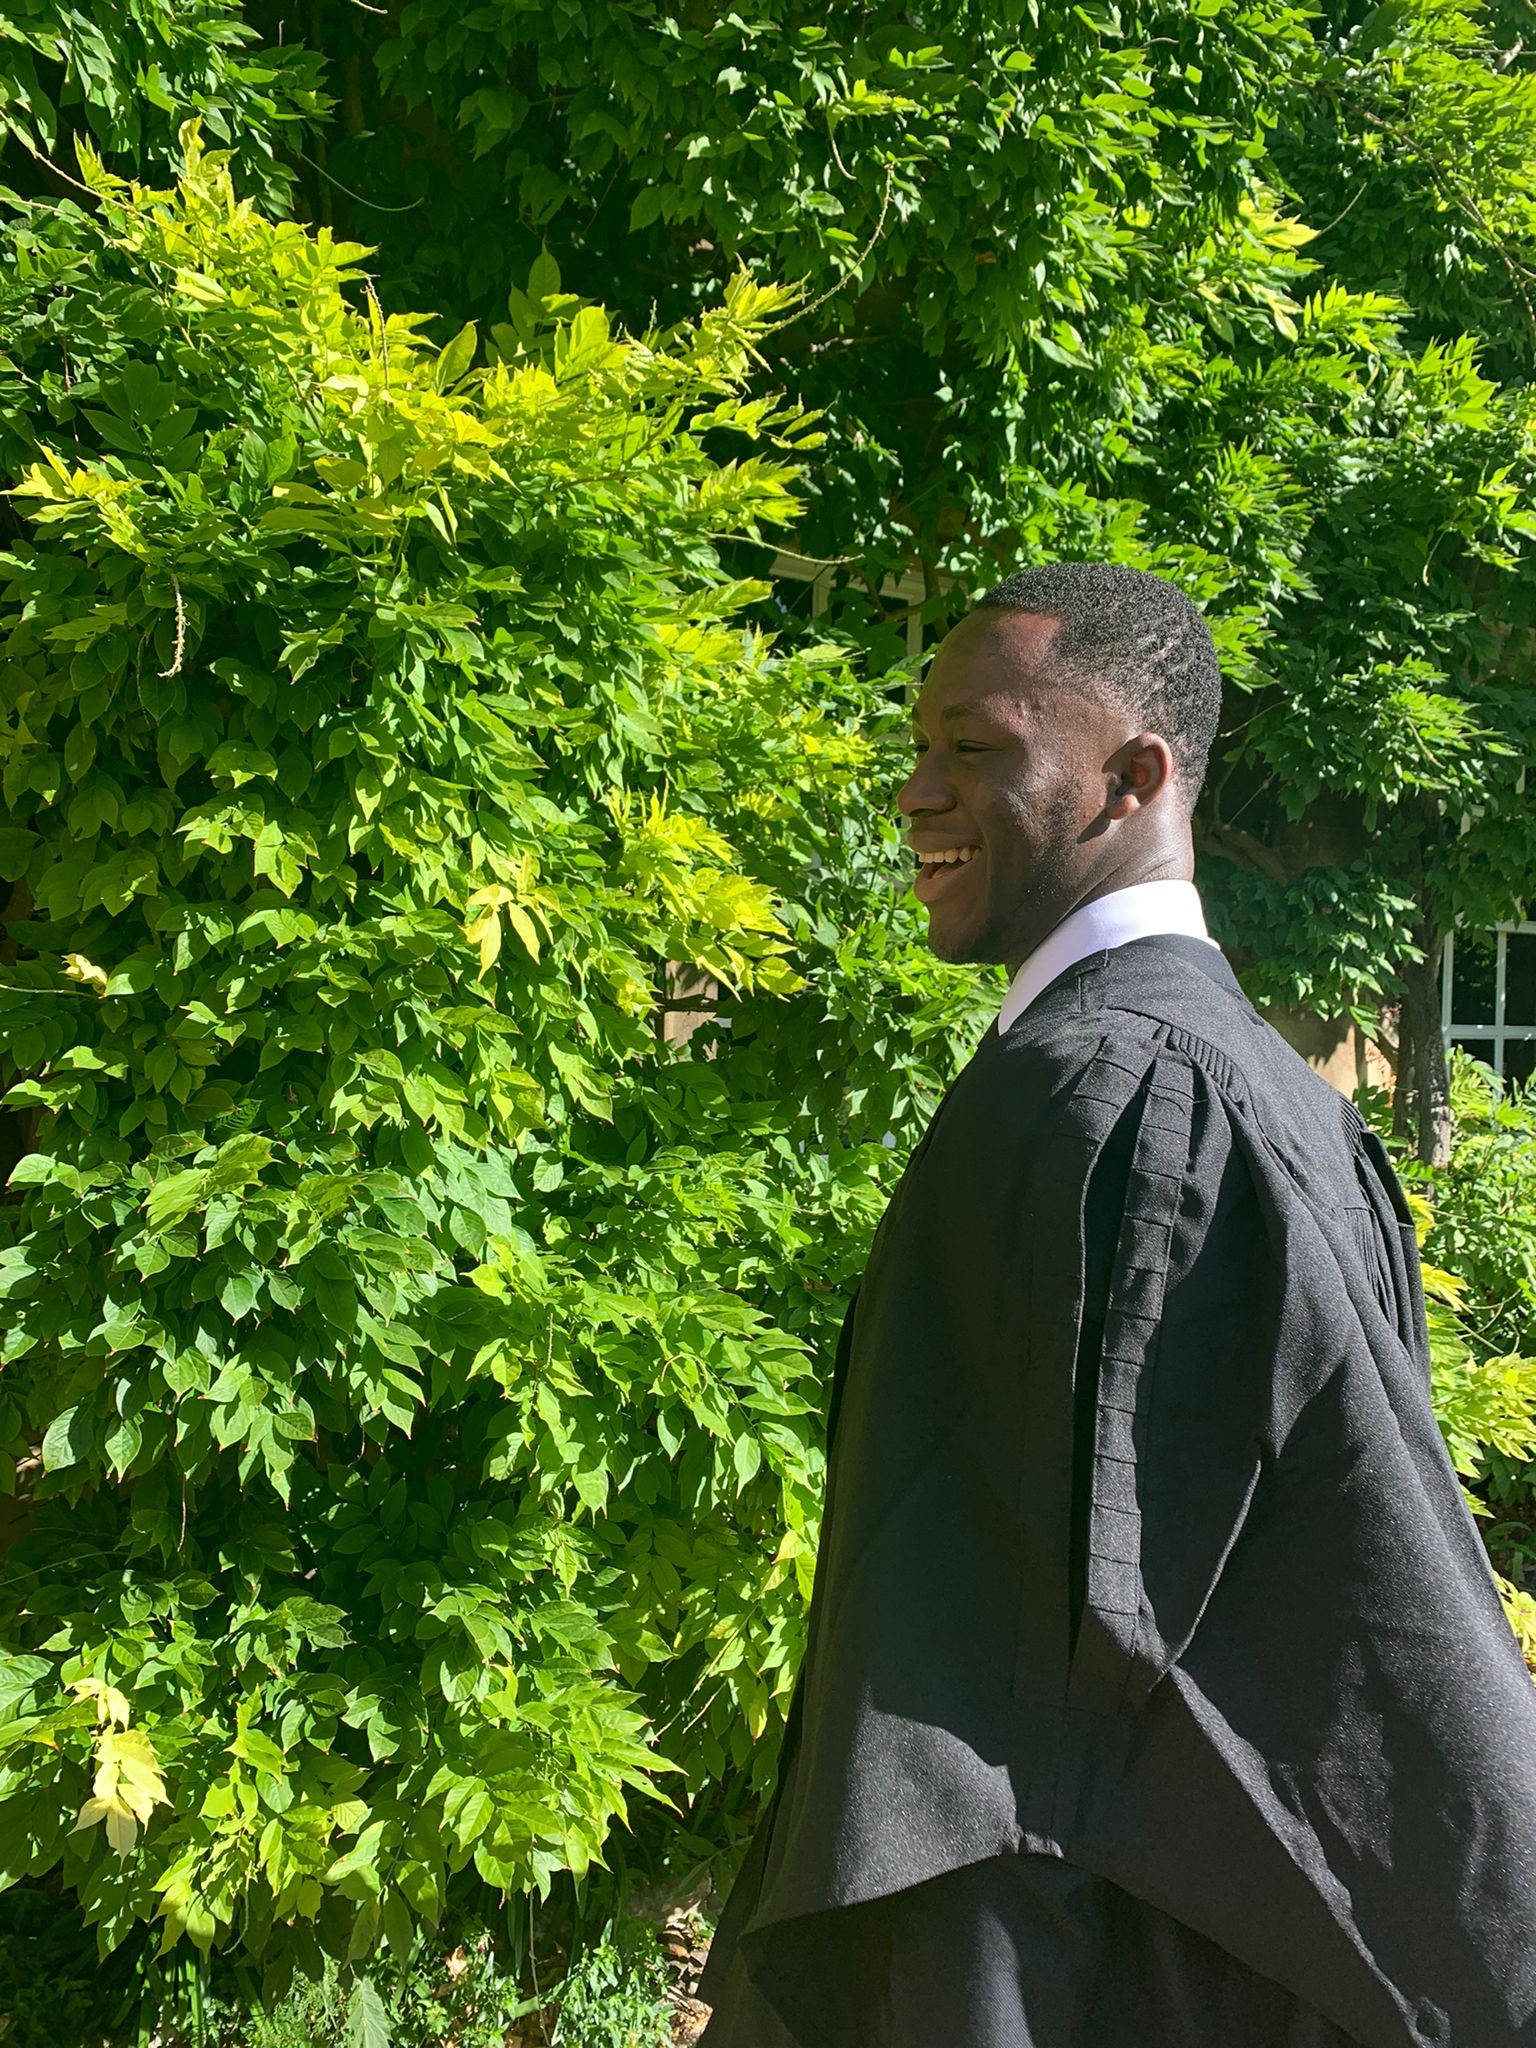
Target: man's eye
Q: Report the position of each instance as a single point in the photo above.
(971, 747)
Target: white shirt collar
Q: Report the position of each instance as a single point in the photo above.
(1146, 910)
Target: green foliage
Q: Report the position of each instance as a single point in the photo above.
(125, 78)
(1425, 109)
(1027, 219)
(410, 1354)
(1483, 1323)
(1476, 1221)
(1240, 291)
(1214, 290)
(1477, 1217)
(1485, 1205)
(312, 2015)
(458, 1990)
(330, 2012)
(409, 1400)
(615, 1996)
(1484, 1404)
(54, 1992)
(1320, 944)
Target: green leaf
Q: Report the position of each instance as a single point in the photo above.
(17, 847)
(67, 1439)
(239, 1293)
(367, 2021)
(456, 357)
(525, 928)
(543, 277)
(259, 1751)
(20, 1677)
(122, 1445)
(747, 1456)
(399, 1927)
(34, 1170)
(175, 1197)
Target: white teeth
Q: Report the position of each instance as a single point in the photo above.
(946, 857)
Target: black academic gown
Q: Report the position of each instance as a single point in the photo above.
(1142, 1550)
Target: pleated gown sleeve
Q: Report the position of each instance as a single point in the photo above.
(1168, 1365)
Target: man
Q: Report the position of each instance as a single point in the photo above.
(1158, 1694)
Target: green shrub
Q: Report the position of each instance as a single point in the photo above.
(409, 1392)
(312, 2015)
(1485, 1205)
(1477, 1227)
(615, 1996)
(444, 1997)
(1485, 1401)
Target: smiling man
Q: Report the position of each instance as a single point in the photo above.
(1158, 1693)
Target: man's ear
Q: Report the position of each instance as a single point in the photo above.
(1138, 773)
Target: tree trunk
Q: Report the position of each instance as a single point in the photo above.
(1431, 1073)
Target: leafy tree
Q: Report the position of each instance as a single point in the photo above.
(1058, 272)
(407, 1400)
(1213, 289)
(1019, 221)
(1414, 150)
(1238, 291)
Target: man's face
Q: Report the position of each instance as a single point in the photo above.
(1009, 792)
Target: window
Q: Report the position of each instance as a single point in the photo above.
(1488, 997)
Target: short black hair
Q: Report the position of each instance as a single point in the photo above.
(1135, 636)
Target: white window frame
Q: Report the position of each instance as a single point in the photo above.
(1498, 1031)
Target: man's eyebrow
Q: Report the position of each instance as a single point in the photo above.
(966, 710)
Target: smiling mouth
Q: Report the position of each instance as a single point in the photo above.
(939, 873)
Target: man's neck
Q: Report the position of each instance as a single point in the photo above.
(1173, 869)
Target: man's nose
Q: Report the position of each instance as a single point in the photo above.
(926, 790)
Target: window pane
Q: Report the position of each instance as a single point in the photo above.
(1519, 1058)
(1479, 1048)
(1520, 986)
(1472, 962)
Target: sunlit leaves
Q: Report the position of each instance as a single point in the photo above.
(129, 81)
(128, 1784)
(1239, 292)
(126, 1789)
(408, 1342)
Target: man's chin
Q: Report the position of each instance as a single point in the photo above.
(960, 946)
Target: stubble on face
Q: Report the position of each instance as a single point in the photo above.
(1013, 918)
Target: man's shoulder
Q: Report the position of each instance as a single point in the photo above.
(1053, 1048)
(1186, 990)
(1177, 1003)
(1203, 1083)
